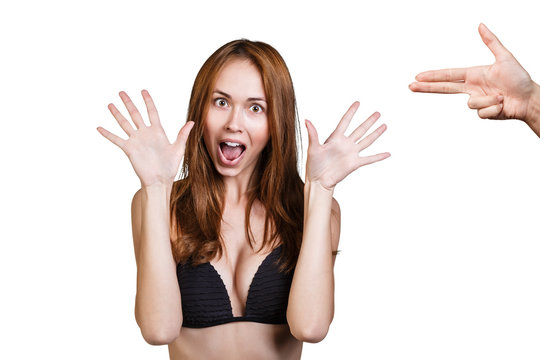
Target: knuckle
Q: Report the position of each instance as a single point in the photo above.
(448, 76)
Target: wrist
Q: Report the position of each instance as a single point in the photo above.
(317, 197)
(316, 186)
(157, 188)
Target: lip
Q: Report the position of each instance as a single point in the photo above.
(226, 162)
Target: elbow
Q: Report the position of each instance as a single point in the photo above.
(158, 330)
(310, 334)
(159, 336)
(159, 333)
(311, 327)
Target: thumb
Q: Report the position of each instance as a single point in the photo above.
(182, 137)
(492, 42)
(312, 133)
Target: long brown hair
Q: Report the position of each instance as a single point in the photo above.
(197, 200)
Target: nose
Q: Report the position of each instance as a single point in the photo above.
(235, 120)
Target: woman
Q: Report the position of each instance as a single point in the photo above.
(236, 259)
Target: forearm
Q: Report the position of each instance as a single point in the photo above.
(311, 300)
(157, 305)
(533, 111)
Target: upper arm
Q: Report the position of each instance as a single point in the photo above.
(335, 227)
(136, 222)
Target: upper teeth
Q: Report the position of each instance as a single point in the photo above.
(231, 143)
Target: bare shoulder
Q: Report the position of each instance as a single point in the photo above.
(175, 228)
(335, 224)
(136, 221)
(336, 210)
(136, 208)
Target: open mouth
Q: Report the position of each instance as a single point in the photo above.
(231, 152)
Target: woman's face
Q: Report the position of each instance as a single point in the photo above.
(236, 125)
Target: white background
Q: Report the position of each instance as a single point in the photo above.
(440, 242)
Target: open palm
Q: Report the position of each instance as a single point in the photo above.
(153, 158)
(331, 162)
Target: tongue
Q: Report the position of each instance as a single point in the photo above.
(231, 152)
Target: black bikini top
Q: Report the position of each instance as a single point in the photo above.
(205, 301)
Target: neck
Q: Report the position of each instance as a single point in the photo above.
(236, 188)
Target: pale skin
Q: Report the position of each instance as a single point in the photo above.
(156, 161)
(500, 91)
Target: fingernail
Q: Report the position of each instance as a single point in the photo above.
(500, 98)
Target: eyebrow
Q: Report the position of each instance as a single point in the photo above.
(230, 97)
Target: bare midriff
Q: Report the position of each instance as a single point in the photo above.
(236, 340)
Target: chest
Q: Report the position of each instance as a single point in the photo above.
(242, 285)
(208, 301)
(240, 263)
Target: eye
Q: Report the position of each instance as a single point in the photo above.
(221, 102)
(256, 108)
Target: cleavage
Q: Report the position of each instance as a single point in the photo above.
(237, 270)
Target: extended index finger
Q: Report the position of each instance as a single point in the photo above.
(439, 87)
(457, 74)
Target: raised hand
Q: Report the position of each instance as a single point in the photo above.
(154, 159)
(331, 162)
(502, 90)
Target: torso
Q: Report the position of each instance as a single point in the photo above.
(237, 267)
(237, 340)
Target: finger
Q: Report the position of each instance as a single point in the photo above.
(492, 42)
(366, 160)
(442, 75)
(182, 137)
(135, 115)
(118, 141)
(151, 108)
(346, 119)
(438, 87)
(479, 102)
(368, 140)
(313, 137)
(122, 121)
(364, 127)
(490, 112)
